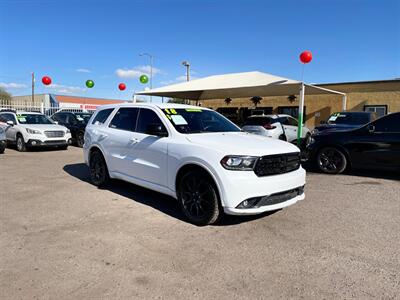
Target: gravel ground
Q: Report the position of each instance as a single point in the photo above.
(62, 238)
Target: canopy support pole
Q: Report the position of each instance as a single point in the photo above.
(300, 118)
(344, 99)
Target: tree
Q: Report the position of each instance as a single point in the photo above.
(5, 97)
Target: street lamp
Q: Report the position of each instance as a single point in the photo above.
(186, 64)
(151, 69)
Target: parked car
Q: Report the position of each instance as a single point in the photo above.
(346, 120)
(283, 127)
(373, 146)
(28, 129)
(194, 155)
(3, 140)
(76, 122)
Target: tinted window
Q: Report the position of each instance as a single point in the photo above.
(8, 117)
(284, 120)
(349, 118)
(389, 123)
(147, 117)
(33, 119)
(125, 119)
(196, 120)
(292, 122)
(60, 118)
(257, 121)
(102, 116)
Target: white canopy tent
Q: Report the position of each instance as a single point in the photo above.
(239, 85)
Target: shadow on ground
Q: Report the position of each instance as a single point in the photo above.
(161, 202)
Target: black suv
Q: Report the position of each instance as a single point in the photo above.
(375, 145)
(76, 122)
(346, 120)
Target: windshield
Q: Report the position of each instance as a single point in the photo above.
(83, 118)
(196, 120)
(348, 119)
(33, 119)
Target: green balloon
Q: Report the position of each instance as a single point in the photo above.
(144, 79)
(89, 83)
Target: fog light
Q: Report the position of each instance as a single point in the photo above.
(249, 203)
(33, 143)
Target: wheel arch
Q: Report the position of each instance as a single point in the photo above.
(189, 166)
(93, 149)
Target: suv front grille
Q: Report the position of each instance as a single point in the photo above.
(53, 134)
(277, 164)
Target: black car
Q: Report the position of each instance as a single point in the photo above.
(346, 120)
(375, 145)
(76, 122)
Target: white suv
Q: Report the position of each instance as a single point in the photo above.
(28, 129)
(194, 155)
(3, 140)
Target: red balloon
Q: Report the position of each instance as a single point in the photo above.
(122, 86)
(305, 57)
(46, 80)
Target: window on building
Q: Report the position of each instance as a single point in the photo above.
(380, 110)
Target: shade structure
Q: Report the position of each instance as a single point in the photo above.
(234, 85)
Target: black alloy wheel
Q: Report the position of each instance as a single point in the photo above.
(98, 169)
(80, 139)
(21, 146)
(331, 160)
(198, 197)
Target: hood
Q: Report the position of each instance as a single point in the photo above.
(241, 143)
(45, 127)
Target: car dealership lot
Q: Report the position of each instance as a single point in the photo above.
(61, 237)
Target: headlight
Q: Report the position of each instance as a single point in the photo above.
(311, 141)
(32, 131)
(238, 162)
(68, 131)
(315, 131)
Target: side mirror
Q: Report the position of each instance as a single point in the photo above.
(11, 123)
(322, 122)
(157, 130)
(371, 128)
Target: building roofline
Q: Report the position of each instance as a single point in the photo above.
(360, 82)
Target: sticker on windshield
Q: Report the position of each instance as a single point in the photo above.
(193, 109)
(170, 111)
(79, 118)
(332, 118)
(21, 118)
(178, 120)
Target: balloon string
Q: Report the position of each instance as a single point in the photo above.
(302, 72)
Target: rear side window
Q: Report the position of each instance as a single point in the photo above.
(257, 121)
(389, 123)
(147, 117)
(102, 116)
(125, 119)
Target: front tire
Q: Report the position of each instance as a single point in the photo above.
(80, 139)
(21, 146)
(98, 169)
(331, 160)
(198, 197)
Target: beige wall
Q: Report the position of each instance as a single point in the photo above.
(319, 107)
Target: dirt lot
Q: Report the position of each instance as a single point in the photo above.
(62, 238)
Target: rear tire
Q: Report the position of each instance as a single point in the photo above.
(2, 149)
(21, 146)
(99, 175)
(198, 198)
(331, 160)
(63, 147)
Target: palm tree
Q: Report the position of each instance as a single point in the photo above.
(256, 100)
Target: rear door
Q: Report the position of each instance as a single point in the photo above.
(378, 144)
(290, 128)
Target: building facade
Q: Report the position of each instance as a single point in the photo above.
(382, 97)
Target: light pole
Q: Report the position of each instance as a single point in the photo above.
(151, 57)
(186, 64)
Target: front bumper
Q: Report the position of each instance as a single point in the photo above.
(3, 144)
(241, 185)
(47, 143)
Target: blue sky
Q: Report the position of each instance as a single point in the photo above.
(75, 40)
